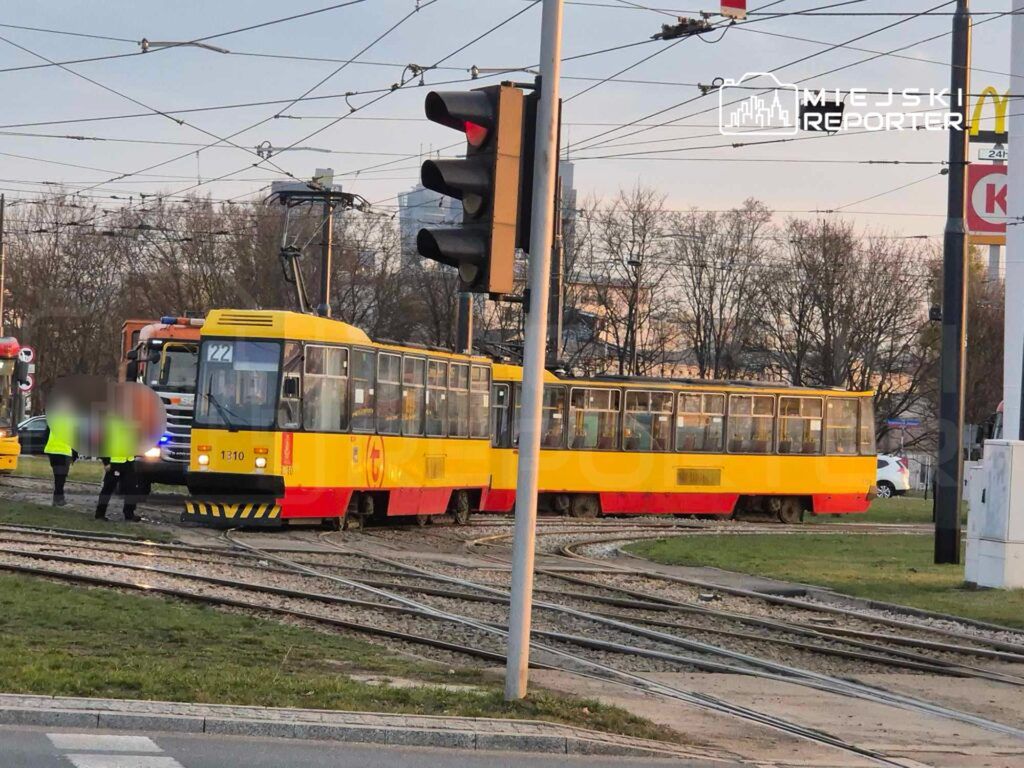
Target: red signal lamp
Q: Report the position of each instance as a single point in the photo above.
(476, 134)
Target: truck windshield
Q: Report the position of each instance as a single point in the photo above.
(176, 368)
(237, 383)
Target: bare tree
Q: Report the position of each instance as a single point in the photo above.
(717, 260)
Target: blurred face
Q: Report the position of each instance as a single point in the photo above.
(99, 407)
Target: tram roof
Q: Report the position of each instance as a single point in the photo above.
(282, 324)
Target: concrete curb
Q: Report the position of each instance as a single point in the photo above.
(322, 725)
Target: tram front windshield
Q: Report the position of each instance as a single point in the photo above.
(238, 382)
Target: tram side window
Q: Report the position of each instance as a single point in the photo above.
(501, 433)
(700, 423)
(552, 420)
(800, 421)
(389, 393)
(325, 396)
(362, 390)
(479, 395)
(552, 416)
(648, 421)
(458, 400)
(751, 420)
(594, 414)
(867, 426)
(437, 393)
(289, 408)
(841, 427)
(412, 395)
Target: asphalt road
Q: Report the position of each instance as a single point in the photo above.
(45, 748)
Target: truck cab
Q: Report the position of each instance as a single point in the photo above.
(163, 355)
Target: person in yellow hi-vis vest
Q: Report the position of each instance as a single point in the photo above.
(61, 425)
(119, 441)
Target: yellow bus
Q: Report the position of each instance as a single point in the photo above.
(299, 416)
(651, 446)
(304, 417)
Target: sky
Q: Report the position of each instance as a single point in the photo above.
(374, 149)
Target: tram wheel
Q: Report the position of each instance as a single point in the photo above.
(585, 505)
(790, 511)
(423, 520)
(562, 503)
(366, 509)
(460, 508)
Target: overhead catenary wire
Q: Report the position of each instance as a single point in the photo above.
(592, 141)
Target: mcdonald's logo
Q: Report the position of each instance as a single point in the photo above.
(1001, 104)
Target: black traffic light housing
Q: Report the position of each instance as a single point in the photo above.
(488, 182)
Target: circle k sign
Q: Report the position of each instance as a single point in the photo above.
(986, 199)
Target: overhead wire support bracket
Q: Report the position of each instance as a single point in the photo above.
(685, 28)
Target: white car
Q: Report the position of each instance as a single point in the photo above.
(893, 476)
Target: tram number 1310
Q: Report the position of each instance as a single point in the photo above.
(233, 455)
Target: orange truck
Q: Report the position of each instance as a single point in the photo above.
(163, 354)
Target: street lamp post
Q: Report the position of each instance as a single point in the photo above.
(636, 266)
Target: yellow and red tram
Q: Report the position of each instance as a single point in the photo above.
(305, 417)
(645, 446)
(299, 416)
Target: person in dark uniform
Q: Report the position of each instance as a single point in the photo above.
(119, 475)
(119, 441)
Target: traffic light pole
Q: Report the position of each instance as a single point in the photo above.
(554, 352)
(949, 485)
(545, 170)
(464, 324)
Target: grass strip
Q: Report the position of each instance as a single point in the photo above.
(889, 567)
(75, 641)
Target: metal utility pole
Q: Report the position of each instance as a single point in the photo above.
(3, 263)
(464, 324)
(634, 314)
(555, 308)
(1013, 390)
(993, 249)
(545, 170)
(326, 242)
(949, 483)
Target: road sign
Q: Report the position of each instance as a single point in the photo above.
(994, 153)
(736, 9)
(986, 203)
(27, 385)
(903, 422)
(26, 354)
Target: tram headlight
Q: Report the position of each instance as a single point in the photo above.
(261, 462)
(203, 460)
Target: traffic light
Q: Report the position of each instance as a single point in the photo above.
(487, 181)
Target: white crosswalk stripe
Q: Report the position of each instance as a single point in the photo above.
(122, 761)
(95, 750)
(99, 742)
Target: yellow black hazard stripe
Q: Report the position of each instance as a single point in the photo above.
(245, 511)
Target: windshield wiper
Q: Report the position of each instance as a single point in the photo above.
(226, 414)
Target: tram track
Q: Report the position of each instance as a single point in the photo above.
(770, 670)
(599, 597)
(606, 652)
